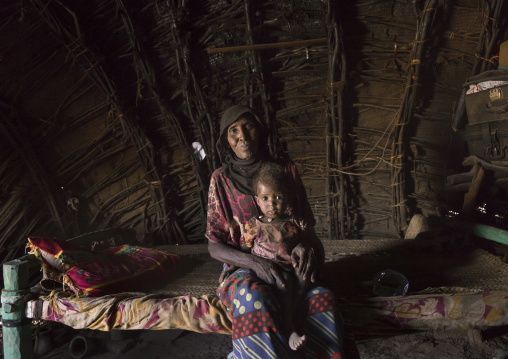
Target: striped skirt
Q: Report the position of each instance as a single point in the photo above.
(255, 313)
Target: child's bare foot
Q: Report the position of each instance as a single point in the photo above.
(296, 341)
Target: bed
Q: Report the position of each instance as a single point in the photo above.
(463, 287)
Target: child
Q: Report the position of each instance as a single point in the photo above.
(273, 235)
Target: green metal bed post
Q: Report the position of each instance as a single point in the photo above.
(17, 329)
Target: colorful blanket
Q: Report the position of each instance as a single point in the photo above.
(370, 317)
(388, 316)
(135, 311)
(96, 273)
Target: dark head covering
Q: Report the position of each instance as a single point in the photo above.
(239, 171)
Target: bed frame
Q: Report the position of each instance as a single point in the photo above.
(465, 290)
(17, 328)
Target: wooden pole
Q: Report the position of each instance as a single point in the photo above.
(16, 328)
(275, 45)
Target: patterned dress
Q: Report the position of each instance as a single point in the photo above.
(273, 240)
(251, 303)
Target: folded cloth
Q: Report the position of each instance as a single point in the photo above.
(96, 273)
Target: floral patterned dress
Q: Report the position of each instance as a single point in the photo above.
(273, 240)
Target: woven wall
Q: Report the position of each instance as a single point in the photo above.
(101, 102)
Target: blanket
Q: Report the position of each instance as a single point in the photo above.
(370, 317)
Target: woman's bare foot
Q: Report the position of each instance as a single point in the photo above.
(296, 341)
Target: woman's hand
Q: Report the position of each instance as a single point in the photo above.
(305, 262)
(270, 271)
(227, 273)
(266, 270)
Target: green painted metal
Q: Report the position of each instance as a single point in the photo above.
(492, 233)
(17, 331)
(480, 230)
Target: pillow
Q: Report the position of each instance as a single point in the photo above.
(95, 273)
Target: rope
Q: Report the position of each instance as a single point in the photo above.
(490, 18)
(485, 59)
(400, 204)
(398, 184)
(336, 84)
(426, 10)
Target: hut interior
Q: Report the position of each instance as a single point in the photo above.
(110, 111)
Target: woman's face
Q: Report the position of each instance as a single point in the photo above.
(243, 137)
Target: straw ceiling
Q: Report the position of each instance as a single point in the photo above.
(102, 101)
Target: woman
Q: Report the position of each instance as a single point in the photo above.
(247, 292)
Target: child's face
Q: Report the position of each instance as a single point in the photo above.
(271, 199)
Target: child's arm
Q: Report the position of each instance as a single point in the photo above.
(250, 232)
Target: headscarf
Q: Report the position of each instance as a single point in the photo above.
(239, 171)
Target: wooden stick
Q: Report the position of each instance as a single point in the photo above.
(275, 45)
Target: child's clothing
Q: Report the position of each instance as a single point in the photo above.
(273, 240)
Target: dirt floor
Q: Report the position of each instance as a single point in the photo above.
(436, 345)
(146, 344)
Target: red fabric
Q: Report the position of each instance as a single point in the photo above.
(229, 210)
(116, 269)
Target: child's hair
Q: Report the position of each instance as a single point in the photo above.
(270, 172)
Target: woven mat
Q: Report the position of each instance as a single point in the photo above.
(197, 275)
(431, 267)
(438, 266)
